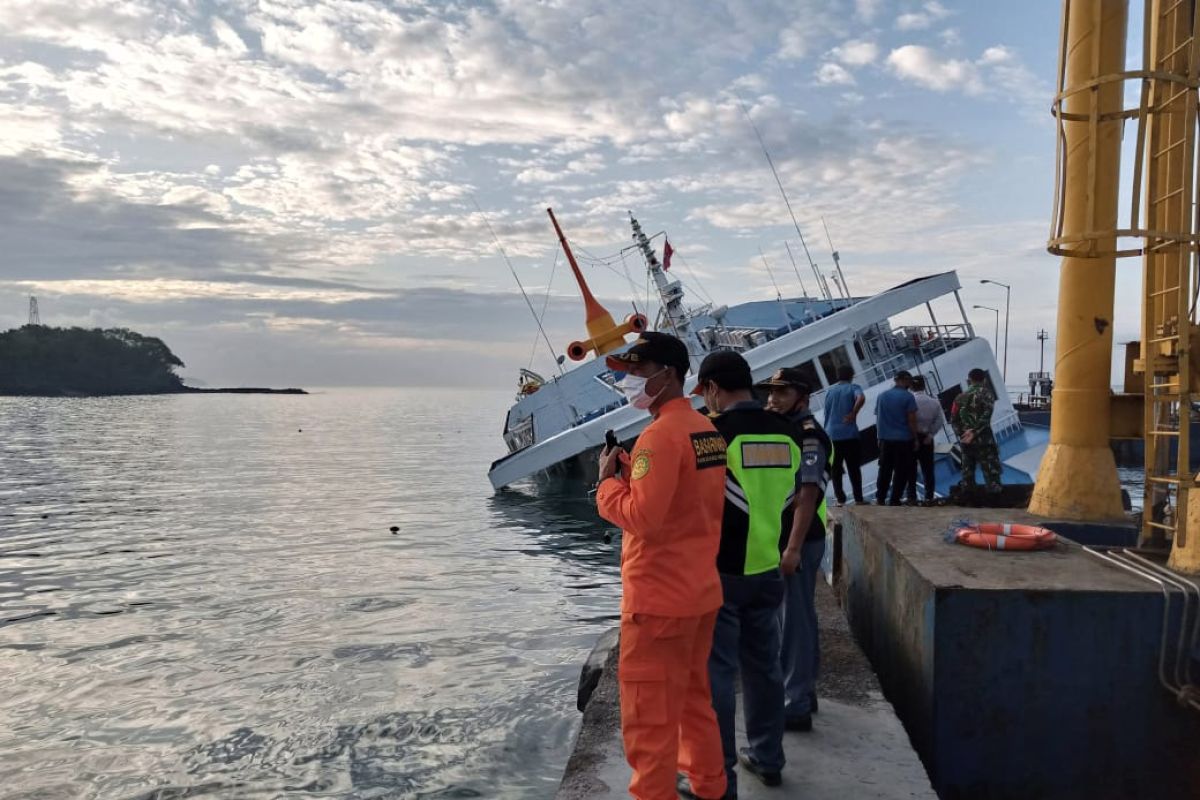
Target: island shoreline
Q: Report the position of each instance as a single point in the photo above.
(182, 390)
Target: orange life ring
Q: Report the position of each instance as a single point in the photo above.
(1003, 536)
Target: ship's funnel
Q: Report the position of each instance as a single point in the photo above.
(604, 334)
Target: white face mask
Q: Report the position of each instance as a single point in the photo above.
(634, 389)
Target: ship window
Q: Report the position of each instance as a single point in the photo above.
(831, 361)
(859, 351)
(809, 371)
(947, 398)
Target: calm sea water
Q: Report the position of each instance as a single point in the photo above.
(200, 597)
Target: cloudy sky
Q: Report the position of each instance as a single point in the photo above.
(284, 190)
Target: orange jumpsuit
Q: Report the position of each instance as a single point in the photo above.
(668, 502)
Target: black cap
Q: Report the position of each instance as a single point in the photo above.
(726, 369)
(661, 348)
(787, 376)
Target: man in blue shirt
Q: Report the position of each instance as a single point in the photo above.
(843, 401)
(896, 426)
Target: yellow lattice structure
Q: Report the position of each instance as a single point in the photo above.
(1163, 220)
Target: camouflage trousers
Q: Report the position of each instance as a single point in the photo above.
(986, 454)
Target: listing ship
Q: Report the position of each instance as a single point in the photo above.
(557, 426)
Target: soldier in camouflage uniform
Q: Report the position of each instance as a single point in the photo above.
(972, 421)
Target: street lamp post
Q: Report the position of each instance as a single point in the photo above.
(1007, 301)
(996, 335)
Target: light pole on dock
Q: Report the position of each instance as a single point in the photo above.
(996, 335)
(1007, 303)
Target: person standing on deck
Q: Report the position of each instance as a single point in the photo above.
(667, 499)
(896, 427)
(930, 419)
(843, 401)
(765, 459)
(972, 420)
(800, 652)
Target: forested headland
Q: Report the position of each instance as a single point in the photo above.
(42, 360)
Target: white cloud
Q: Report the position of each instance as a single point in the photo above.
(27, 128)
(926, 68)
(229, 37)
(997, 70)
(929, 13)
(322, 139)
(158, 290)
(951, 37)
(856, 52)
(996, 55)
(867, 10)
(831, 74)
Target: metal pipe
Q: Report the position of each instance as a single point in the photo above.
(996, 334)
(1078, 476)
(1007, 306)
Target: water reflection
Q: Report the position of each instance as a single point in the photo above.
(201, 597)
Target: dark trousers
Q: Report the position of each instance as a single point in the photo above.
(925, 462)
(896, 465)
(847, 457)
(746, 640)
(800, 652)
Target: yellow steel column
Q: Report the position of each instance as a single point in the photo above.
(1078, 475)
(1171, 148)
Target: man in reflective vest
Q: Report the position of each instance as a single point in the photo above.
(667, 499)
(801, 648)
(761, 481)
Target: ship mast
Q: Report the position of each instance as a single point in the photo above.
(670, 293)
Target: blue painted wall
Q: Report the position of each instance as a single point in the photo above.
(1022, 694)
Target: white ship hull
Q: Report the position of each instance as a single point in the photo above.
(943, 354)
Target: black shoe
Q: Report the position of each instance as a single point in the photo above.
(881, 502)
(802, 723)
(859, 501)
(812, 702)
(751, 765)
(684, 788)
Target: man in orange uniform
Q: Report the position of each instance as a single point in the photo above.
(667, 498)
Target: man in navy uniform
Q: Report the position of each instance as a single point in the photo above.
(800, 653)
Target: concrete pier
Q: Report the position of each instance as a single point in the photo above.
(857, 750)
(1017, 675)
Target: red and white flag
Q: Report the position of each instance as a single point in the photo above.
(668, 251)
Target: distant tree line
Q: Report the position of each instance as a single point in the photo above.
(41, 360)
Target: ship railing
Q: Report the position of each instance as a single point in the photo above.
(883, 370)
(916, 344)
(1008, 426)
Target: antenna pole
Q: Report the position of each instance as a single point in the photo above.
(787, 319)
(520, 286)
(795, 267)
(837, 261)
(771, 163)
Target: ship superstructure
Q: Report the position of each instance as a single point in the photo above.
(556, 426)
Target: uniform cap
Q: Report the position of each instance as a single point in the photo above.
(660, 348)
(726, 369)
(787, 376)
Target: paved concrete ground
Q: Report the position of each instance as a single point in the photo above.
(857, 749)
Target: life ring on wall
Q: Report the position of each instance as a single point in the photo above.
(1003, 536)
